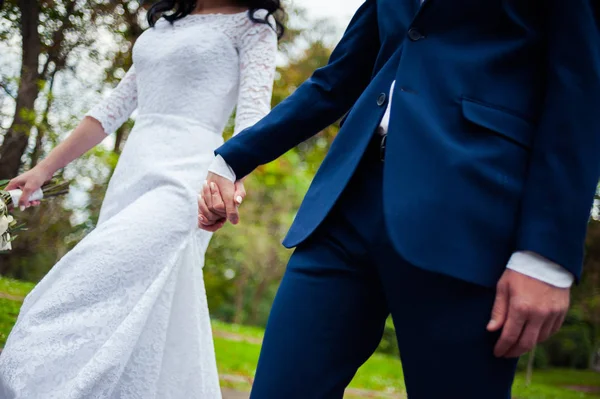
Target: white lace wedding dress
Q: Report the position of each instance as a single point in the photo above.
(124, 314)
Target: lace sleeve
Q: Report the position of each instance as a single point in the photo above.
(257, 52)
(119, 105)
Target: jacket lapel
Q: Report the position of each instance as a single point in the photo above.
(422, 6)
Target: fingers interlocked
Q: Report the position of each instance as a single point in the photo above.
(218, 202)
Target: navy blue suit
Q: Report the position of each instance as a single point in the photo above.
(492, 148)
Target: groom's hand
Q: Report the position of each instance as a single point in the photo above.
(528, 311)
(219, 202)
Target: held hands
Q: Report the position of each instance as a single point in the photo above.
(219, 201)
(528, 311)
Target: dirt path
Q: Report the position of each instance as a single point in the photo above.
(351, 393)
(10, 297)
(236, 337)
(229, 394)
(583, 388)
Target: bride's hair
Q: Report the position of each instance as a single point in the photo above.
(173, 10)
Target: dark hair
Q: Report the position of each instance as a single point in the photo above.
(173, 10)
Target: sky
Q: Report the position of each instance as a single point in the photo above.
(338, 11)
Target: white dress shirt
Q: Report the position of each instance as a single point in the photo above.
(524, 262)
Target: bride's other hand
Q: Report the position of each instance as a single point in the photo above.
(28, 183)
(85, 136)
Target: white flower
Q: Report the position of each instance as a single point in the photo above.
(5, 244)
(4, 223)
(3, 207)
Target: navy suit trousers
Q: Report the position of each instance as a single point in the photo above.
(340, 286)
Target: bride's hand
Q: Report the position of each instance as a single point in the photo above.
(28, 183)
(219, 202)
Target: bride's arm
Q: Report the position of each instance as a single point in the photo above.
(103, 119)
(258, 56)
(317, 103)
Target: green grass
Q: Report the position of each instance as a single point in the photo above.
(237, 349)
(551, 384)
(253, 333)
(14, 287)
(380, 373)
(8, 315)
(384, 373)
(569, 377)
(236, 358)
(11, 293)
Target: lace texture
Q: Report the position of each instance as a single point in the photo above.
(117, 108)
(124, 315)
(257, 59)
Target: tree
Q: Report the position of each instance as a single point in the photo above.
(50, 31)
(15, 139)
(52, 34)
(586, 297)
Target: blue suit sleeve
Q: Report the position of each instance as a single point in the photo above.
(317, 103)
(565, 163)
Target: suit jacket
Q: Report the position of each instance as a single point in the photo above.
(494, 137)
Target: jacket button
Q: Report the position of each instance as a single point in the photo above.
(414, 34)
(381, 99)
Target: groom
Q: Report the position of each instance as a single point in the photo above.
(455, 197)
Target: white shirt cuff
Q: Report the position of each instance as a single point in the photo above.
(221, 168)
(540, 268)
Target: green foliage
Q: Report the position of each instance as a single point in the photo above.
(245, 262)
(540, 362)
(389, 343)
(570, 347)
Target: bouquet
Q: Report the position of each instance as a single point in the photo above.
(9, 199)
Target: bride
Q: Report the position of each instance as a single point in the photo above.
(124, 314)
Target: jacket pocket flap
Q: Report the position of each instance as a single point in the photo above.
(504, 123)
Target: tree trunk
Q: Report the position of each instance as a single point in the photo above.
(43, 126)
(17, 136)
(530, 363)
(595, 359)
(119, 138)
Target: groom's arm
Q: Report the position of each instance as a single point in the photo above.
(561, 179)
(565, 164)
(317, 103)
